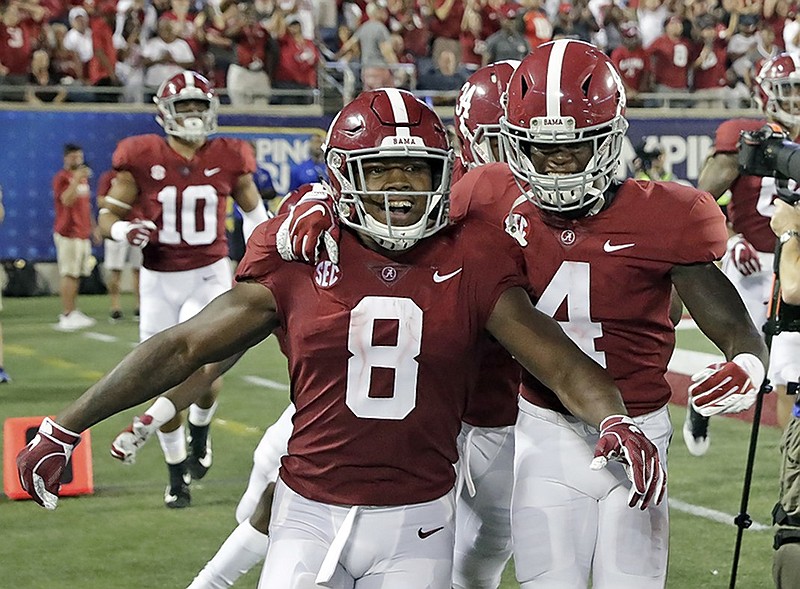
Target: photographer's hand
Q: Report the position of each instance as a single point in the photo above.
(785, 218)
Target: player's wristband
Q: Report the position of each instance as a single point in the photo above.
(119, 230)
(252, 219)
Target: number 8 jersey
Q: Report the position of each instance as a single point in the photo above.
(185, 198)
(382, 353)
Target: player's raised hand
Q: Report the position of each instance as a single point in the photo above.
(744, 255)
(727, 387)
(622, 440)
(309, 229)
(41, 463)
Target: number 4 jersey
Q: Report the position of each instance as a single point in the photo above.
(185, 198)
(382, 354)
(605, 278)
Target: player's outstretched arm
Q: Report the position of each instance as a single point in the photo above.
(233, 322)
(586, 390)
(719, 312)
(117, 204)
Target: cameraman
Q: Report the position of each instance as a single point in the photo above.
(786, 225)
(749, 259)
(786, 564)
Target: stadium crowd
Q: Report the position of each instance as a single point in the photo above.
(274, 50)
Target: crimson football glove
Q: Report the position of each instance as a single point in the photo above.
(623, 441)
(309, 229)
(727, 387)
(41, 463)
(744, 256)
(138, 232)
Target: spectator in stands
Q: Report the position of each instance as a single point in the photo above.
(710, 64)
(633, 63)
(183, 18)
(538, 26)
(312, 169)
(471, 39)
(134, 13)
(297, 62)
(791, 32)
(406, 19)
(16, 49)
(651, 15)
(248, 79)
(446, 77)
(79, 40)
(102, 70)
(742, 42)
(574, 22)
(41, 80)
(130, 63)
(72, 234)
(64, 62)
(220, 50)
(669, 59)
(165, 55)
(508, 42)
(375, 45)
(445, 26)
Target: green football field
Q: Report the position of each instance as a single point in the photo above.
(123, 536)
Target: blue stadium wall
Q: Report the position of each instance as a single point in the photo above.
(33, 142)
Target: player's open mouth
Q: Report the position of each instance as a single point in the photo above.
(400, 211)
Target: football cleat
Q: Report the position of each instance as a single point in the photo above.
(128, 441)
(695, 432)
(200, 456)
(177, 495)
(4, 377)
(115, 315)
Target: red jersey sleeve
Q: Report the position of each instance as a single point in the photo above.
(246, 155)
(261, 258)
(728, 133)
(704, 233)
(125, 154)
(60, 183)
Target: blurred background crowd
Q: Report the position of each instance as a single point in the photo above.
(669, 52)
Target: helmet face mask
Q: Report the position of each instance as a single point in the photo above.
(389, 164)
(563, 95)
(187, 107)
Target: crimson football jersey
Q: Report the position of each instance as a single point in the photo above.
(494, 401)
(382, 354)
(186, 199)
(606, 278)
(632, 64)
(751, 207)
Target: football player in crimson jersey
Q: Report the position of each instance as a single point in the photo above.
(380, 370)
(751, 243)
(181, 184)
(486, 441)
(601, 258)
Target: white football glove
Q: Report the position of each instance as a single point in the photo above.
(132, 438)
(727, 387)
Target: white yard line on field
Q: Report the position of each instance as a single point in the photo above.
(711, 514)
(265, 382)
(688, 362)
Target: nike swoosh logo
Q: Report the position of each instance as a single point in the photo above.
(437, 278)
(425, 533)
(607, 247)
(211, 172)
